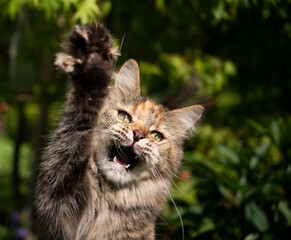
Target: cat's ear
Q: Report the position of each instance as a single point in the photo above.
(185, 118)
(128, 79)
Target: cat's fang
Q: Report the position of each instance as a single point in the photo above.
(127, 166)
(114, 159)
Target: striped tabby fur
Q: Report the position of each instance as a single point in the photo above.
(109, 164)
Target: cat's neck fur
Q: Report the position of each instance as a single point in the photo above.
(131, 208)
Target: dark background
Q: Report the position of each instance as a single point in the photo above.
(236, 174)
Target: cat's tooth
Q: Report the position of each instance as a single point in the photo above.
(114, 159)
(127, 166)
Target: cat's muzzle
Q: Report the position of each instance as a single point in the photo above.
(124, 155)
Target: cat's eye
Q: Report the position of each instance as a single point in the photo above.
(124, 116)
(157, 136)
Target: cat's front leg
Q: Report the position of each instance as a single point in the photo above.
(63, 190)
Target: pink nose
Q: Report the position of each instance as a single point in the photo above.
(137, 135)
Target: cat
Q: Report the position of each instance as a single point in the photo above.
(108, 167)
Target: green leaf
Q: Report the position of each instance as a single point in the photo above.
(262, 149)
(87, 11)
(14, 7)
(285, 210)
(226, 193)
(241, 190)
(160, 4)
(254, 162)
(229, 68)
(228, 153)
(275, 132)
(258, 127)
(68, 3)
(256, 216)
(206, 225)
(196, 209)
(252, 236)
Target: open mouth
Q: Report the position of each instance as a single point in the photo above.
(124, 156)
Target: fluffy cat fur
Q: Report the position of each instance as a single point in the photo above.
(110, 161)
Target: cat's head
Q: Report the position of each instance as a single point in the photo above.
(137, 138)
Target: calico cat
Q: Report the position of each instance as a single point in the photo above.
(110, 162)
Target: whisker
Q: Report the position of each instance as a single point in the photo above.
(161, 178)
(169, 141)
(119, 50)
(172, 171)
(176, 186)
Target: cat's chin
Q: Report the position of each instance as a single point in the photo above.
(117, 173)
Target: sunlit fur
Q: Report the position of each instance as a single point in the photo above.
(80, 193)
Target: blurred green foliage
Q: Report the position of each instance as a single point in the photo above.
(235, 178)
(241, 189)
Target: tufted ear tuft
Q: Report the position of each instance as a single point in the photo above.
(128, 80)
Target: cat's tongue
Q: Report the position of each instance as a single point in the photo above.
(117, 160)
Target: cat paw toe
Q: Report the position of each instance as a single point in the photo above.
(66, 62)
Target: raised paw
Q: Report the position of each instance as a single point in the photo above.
(87, 46)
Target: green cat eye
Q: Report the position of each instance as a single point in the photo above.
(124, 116)
(157, 136)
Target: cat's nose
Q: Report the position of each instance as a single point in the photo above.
(137, 135)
